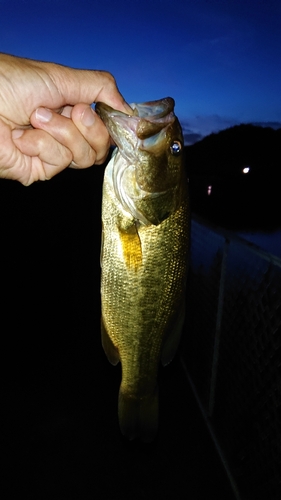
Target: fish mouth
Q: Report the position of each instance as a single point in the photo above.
(151, 110)
(146, 121)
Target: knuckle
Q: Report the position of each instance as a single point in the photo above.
(102, 156)
(108, 76)
(39, 140)
(84, 157)
(66, 156)
(109, 79)
(88, 160)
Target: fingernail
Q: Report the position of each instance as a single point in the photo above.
(43, 115)
(88, 117)
(17, 133)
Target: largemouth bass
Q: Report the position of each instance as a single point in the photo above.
(145, 220)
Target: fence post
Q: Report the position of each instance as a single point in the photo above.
(218, 329)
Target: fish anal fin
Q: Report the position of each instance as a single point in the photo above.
(172, 340)
(138, 417)
(108, 346)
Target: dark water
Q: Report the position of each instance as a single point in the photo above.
(270, 242)
(248, 207)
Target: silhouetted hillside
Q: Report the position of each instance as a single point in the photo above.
(228, 151)
(223, 191)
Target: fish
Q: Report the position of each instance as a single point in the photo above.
(144, 254)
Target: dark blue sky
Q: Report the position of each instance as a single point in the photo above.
(219, 59)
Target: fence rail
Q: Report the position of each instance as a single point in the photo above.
(232, 354)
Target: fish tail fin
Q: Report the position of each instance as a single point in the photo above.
(138, 417)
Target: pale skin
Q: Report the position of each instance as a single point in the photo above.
(46, 119)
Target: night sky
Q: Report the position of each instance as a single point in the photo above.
(220, 60)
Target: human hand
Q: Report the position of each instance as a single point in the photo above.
(46, 122)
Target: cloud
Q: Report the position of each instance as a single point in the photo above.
(191, 137)
(274, 125)
(197, 127)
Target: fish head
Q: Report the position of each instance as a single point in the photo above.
(147, 173)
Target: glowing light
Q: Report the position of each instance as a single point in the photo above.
(246, 170)
(209, 191)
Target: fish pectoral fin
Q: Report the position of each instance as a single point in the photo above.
(108, 346)
(173, 339)
(131, 246)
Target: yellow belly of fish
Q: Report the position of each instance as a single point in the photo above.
(142, 289)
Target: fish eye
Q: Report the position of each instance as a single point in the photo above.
(175, 148)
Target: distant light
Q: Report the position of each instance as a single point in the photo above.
(246, 170)
(209, 190)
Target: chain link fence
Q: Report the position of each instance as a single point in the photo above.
(232, 355)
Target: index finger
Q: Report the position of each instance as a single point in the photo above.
(86, 86)
(110, 94)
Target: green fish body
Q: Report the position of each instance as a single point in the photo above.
(145, 240)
